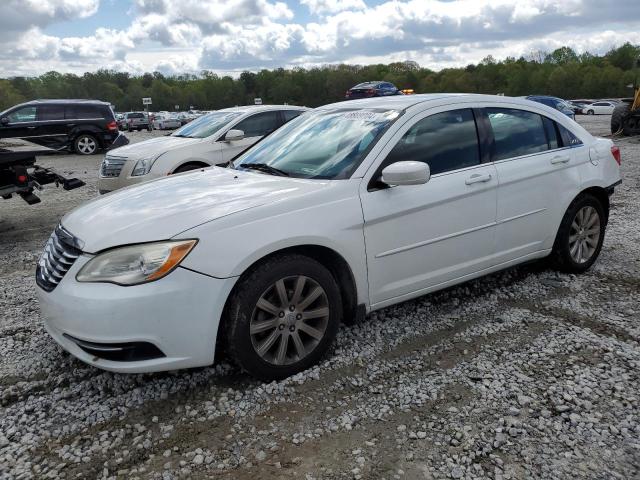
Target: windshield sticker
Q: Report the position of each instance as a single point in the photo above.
(362, 115)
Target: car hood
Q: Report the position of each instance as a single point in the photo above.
(161, 209)
(153, 146)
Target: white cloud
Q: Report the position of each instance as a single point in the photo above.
(319, 7)
(249, 34)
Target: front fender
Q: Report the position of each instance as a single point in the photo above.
(229, 245)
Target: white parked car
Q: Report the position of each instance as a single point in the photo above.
(166, 122)
(599, 108)
(211, 139)
(350, 208)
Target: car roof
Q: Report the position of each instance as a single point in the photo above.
(261, 108)
(404, 102)
(64, 101)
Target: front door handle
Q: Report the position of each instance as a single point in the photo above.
(559, 159)
(477, 179)
(31, 128)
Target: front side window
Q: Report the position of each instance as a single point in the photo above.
(50, 112)
(206, 125)
(445, 141)
(21, 115)
(516, 133)
(323, 144)
(259, 125)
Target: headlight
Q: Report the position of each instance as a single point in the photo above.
(143, 166)
(136, 264)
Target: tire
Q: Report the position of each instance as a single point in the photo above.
(289, 343)
(567, 255)
(149, 128)
(590, 112)
(85, 144)
(618, 115)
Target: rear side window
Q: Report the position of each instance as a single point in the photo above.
(259, 125)
(516, 133)
(290, 114)
(83, 112)
(445, 141)
(50, 112)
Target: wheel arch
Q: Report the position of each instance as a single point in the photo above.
(335, 263)
(194, 163)
(601, 194)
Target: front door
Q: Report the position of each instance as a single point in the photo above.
(20, 123)
(420, 237)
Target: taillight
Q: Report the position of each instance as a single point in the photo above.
(22, 179)
(112, 126)
(615, 151)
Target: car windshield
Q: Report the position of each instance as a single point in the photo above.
(206, 125)
(320, 144)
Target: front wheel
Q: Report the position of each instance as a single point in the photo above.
(590, 112)
(580, 236)
(85, 144)
(282, 317)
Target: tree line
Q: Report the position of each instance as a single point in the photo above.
(562, 73)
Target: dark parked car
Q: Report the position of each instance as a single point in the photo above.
(82, 126)
(372, 89)
(555, 102)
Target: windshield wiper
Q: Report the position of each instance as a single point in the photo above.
(181, 136)
(263, 167)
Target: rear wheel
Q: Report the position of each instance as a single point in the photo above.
(618, 115)
(580, 236)
(85, 144)
(282, 317)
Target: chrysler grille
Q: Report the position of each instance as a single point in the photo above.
(112, 166)
(56, 260)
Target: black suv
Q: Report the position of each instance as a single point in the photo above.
(82, 126)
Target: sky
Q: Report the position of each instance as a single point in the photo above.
(230, 36)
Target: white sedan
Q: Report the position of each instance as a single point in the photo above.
(166, 122)
(599, 108)
(345, 210)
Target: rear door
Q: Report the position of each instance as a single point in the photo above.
(420, 237)
(254, 127)
(536, 174)
(20, 123)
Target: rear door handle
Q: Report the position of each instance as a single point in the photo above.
(477, 179)
(31, 127)
(559, 159)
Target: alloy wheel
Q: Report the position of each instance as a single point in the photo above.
(87, 145)
(584, 234)
(289, 320)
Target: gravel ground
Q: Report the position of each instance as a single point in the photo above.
(523, 374)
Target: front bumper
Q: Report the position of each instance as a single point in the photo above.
(178, 314)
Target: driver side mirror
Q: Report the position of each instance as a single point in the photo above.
(4, 120)
(233, 135)
(406, 173)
